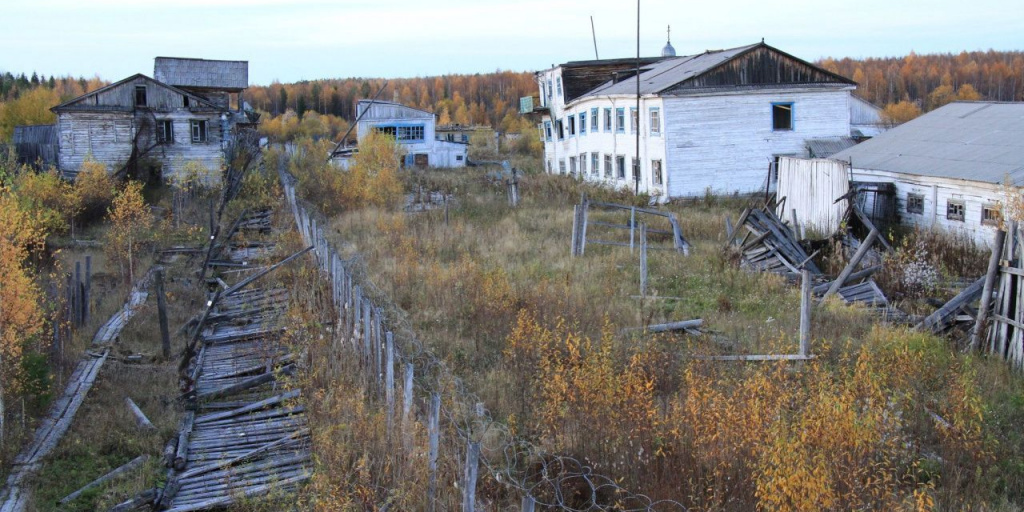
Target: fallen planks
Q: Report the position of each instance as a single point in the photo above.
(56, 423)
(773, 247)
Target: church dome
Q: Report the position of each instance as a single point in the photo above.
(668, 50)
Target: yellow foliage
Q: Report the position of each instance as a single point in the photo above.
(899, 113)
(20, 315)
(47, 197)
(373, 178)
(31, 108)
(131, 221)
(95, 189)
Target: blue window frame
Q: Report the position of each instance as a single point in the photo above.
(607, 119)
(547, 131)
(620, 120)
(572, 125)
(782, 116)
(594, 121)
(403, 133)
(560, 131)
(558, 82)
(655, 117)
(583, 124)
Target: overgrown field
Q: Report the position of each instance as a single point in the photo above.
(884, 418)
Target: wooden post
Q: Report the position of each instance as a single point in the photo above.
(575, 228)
(69, 298)
(986, 295)
(367, 337)
(78, 293)
(728, 228)
(470, 476)
(861, 251)
(407, 394)
(796, 224)
(140, 417)
(643, 259)
(805, 311)
(378, 350)
(181, 455)
(583, 227)
(529, 504)
(389, 378)
(88, 288)
(433, 430)
(632, 228)
(161, 305)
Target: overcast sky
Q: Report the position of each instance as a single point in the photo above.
(308, 39)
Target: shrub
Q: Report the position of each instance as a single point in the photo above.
(95, 189)
(49, 198)
(131, 221)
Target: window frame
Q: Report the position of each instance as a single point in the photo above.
(595, 121)
(654, 120)
(991, 220)
(199, 131)
(165, 131)
(141, 99)
(561, 166)
(952, 205)
(792, 117)
(634, 118)
(595, 163)
(583, 164)
(608, 120)
(620, 120)
(620, 167)
(558, 86)
(583, 123)
(547, 131)
(572, 125)
(657, 174)
(572, 165)
(560, 129)
(915, 204)
(608, 166)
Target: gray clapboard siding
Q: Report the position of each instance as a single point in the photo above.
(106, 136)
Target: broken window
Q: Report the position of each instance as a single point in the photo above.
(955, 210)
(572, 125)
(558, 82)
(199, 133)
(655, 115)
(636, 169)
(165, 131)
(620, 120)
(991, 215)
(620, 166)
(915, 203)
(559, 129)
(140, 95)
(607, 166)
(656, 172)
(547, 131)
(184, 100)
(782, 116)
(550, 89)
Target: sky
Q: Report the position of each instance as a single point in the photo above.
(310, 39)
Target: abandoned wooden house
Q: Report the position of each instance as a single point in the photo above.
(951, 168)
(413, 129)
(156, 126)
(716, 121)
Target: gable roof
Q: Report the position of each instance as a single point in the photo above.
(397, 110)
(67, 105)
(579, 77)
(752, 65)
(977, 141)
(230, 75)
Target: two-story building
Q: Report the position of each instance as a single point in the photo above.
(413, 129)
(715, 121)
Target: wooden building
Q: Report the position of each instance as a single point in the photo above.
(413, 129)
(149, 126)
(716, 121)
(950, 168)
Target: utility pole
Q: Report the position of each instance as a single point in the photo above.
(636, 161)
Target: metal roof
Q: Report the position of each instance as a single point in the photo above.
(826, 147)
(661, 75)
(977, 141)
(207, 74)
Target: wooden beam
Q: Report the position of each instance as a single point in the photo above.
(249, 280)
(986, 293)
(140, 417)
(854, 261)
(134, 463)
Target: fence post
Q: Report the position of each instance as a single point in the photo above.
(407, 394)
(367, 336)
(805, 311)
(389, 379)
(632, 227)
(643, 259)
(78, 293)
(88, 288)
(357, 315)
(529, 504)
(575, 229)
(469, 477)
(377, 349)
(433, 429)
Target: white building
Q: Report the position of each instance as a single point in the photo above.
(413, 129)
(715, 121)
(948, 168)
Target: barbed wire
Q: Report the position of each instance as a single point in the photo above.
(551, 481)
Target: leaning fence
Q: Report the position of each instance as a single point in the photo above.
(456, 419)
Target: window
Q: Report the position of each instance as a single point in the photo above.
(560, 129)
(543, 95)
(991, 215)
(547, 131)
(955, 210)
(656, 172)
(140, 95)
(583, 123)
(572, 165)
(620, 120)
(549, 89)
(607, 166)
(572, 125)
(782, 116)
(595, 163)
(636, 170)
(607, 119)
(558, 82)
(184, 100)
(632, 120)
(402, 133)
(458, 158)
(915, 203)
(561, 167)
(540, 129)
(620, 166)
(199, 133)
(593, 120)
(655, 115)
(165, 131)
(583, 164)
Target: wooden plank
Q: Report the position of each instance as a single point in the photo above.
(140, 418)
(854, 261)
(134, 463)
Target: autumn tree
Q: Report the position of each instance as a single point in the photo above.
(899, 113)
(31, 108)
(131, 222)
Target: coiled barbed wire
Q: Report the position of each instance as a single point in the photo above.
(551, 481)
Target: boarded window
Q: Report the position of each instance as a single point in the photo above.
(620, 167)
(140, 95)
(915, 203)
(991, 215)
(782, 116)
(656, 172)
(199, 133)
(165, 131)
(420, 160)
(955, 210)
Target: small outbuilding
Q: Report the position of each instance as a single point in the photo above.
(413, 129)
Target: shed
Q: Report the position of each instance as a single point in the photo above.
(36, 144)
(811, 188)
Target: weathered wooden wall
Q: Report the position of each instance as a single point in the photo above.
(104, 136)
(811, 187)
(761, 66)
